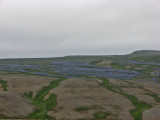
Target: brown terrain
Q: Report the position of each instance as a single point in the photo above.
(13, 104)
(1, 89)
(75, 93)
(140, 91)
(25, 84)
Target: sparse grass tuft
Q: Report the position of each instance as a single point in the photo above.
(81, 109)
(4, 85)
(101, 114)
(117, 65)
(28, 94)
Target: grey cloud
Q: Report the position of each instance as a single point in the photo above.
(47, 28)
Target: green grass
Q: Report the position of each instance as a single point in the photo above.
(2, 117)
(107, 85)
(44, 91)
(4, 85)
(43, 106)
(51, 102)
(101, 114)
(28, 94)
(41, 110)
(117, 65)
(140, 106)
(95, 62)
(81, 109)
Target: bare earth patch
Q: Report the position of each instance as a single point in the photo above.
(118, 83)
(151, 86)
(13, 104)
(74, 93)
(26, 84)
(132, 88)
(151, 114)
(138, 89)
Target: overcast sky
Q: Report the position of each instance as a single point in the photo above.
(50, 28)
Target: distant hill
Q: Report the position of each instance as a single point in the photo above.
(140, 55)
(147, 52)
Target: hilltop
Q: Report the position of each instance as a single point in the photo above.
(147, 52)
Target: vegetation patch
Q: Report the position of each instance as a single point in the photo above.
(43, 106)
(45, 90)
(140, 106)
(81, 109)
(4, 85)
(95, 62)
(51, 102)
(101, 114)
(28, 94)
(2, 117)
(117, 65)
